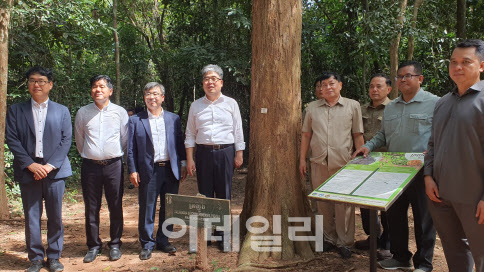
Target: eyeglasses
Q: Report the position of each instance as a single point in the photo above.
(211, 79)
(40, 82)
(152, 94)
(405, 77)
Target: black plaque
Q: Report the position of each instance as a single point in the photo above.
(181, 206)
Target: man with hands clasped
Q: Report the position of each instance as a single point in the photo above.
(157, 165)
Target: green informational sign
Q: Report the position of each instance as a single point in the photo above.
(374, 182)
(181, 206)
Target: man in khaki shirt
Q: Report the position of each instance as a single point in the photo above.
(380, 87)
(332, 127)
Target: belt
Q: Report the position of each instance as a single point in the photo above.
(215, 146)
(162, 163)
(103, 162)
(38, 160)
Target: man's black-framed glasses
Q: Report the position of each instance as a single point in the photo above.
(405, 77)
(211, 79)
(40, 82)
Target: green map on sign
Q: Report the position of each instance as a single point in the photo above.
(374, 181)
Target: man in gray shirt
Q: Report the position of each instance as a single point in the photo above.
(406, 128)
(454, 164)
(101, 130)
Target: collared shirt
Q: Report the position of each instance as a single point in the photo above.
(406, 125)
(217, 122)
(332, 130)
(39, 112)
(101, 134)
(455, 155)
(158, 132)
(372, 117)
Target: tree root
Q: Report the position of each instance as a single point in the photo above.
(245, 266)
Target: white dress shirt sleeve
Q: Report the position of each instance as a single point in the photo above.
(79, 131)
(238, 131)
(191, 131)
(124, 129)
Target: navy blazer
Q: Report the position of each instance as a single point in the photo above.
(141, 151)
(57, 138)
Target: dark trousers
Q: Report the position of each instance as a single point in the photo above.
(94, 178)
(383, 237)
(163, 181)
(215, 169)
(423, 225)
(461, 235)
(33, 194)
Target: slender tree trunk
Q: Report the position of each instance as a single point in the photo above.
(4, 22)
(395, 43)
(461, 19)
(117, 91)
(274, 186)
(411, 42)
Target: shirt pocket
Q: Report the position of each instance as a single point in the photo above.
(419, 123)
(391, 123)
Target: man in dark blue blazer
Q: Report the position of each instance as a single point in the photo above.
(156, 163)
(39, 133)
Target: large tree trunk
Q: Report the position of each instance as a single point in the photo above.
(411, 41)
(395, 43)
(117, 92)
(4, 22)
(461, 19)
(274, 186)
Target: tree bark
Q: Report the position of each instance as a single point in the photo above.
(461, 19)
(117, 91)
(411, 42)
(395, 43)
(274, 186)
(4, 22)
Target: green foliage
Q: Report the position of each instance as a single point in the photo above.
(170, 41)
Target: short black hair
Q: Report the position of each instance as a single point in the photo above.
(108, 80)
(388, 81)
(41, 71)
(417, 66)
(327, 75)
(477, 44)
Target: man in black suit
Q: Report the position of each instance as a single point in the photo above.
(156, 162)
(39, 134)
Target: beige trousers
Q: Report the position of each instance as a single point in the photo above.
(338, 219)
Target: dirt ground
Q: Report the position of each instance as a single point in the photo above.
(13, 256)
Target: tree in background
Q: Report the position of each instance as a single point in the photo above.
(4, 24)
(273, 184)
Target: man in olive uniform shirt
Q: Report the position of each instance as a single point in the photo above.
(380, 87)
(332, 127)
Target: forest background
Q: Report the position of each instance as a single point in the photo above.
(169, 41)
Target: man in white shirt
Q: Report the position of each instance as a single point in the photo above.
(101, 131)
(157, 165)
(214, 126)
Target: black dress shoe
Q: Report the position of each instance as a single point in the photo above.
(91, 255)
(115, 254)
(54, 265)
(344, 252)
(223, 248)
(145, 253)
(35, 266)
(327, 246)
(167, 248)
(363, 244)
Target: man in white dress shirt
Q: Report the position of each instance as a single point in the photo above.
(101, 136)
(214, 126)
